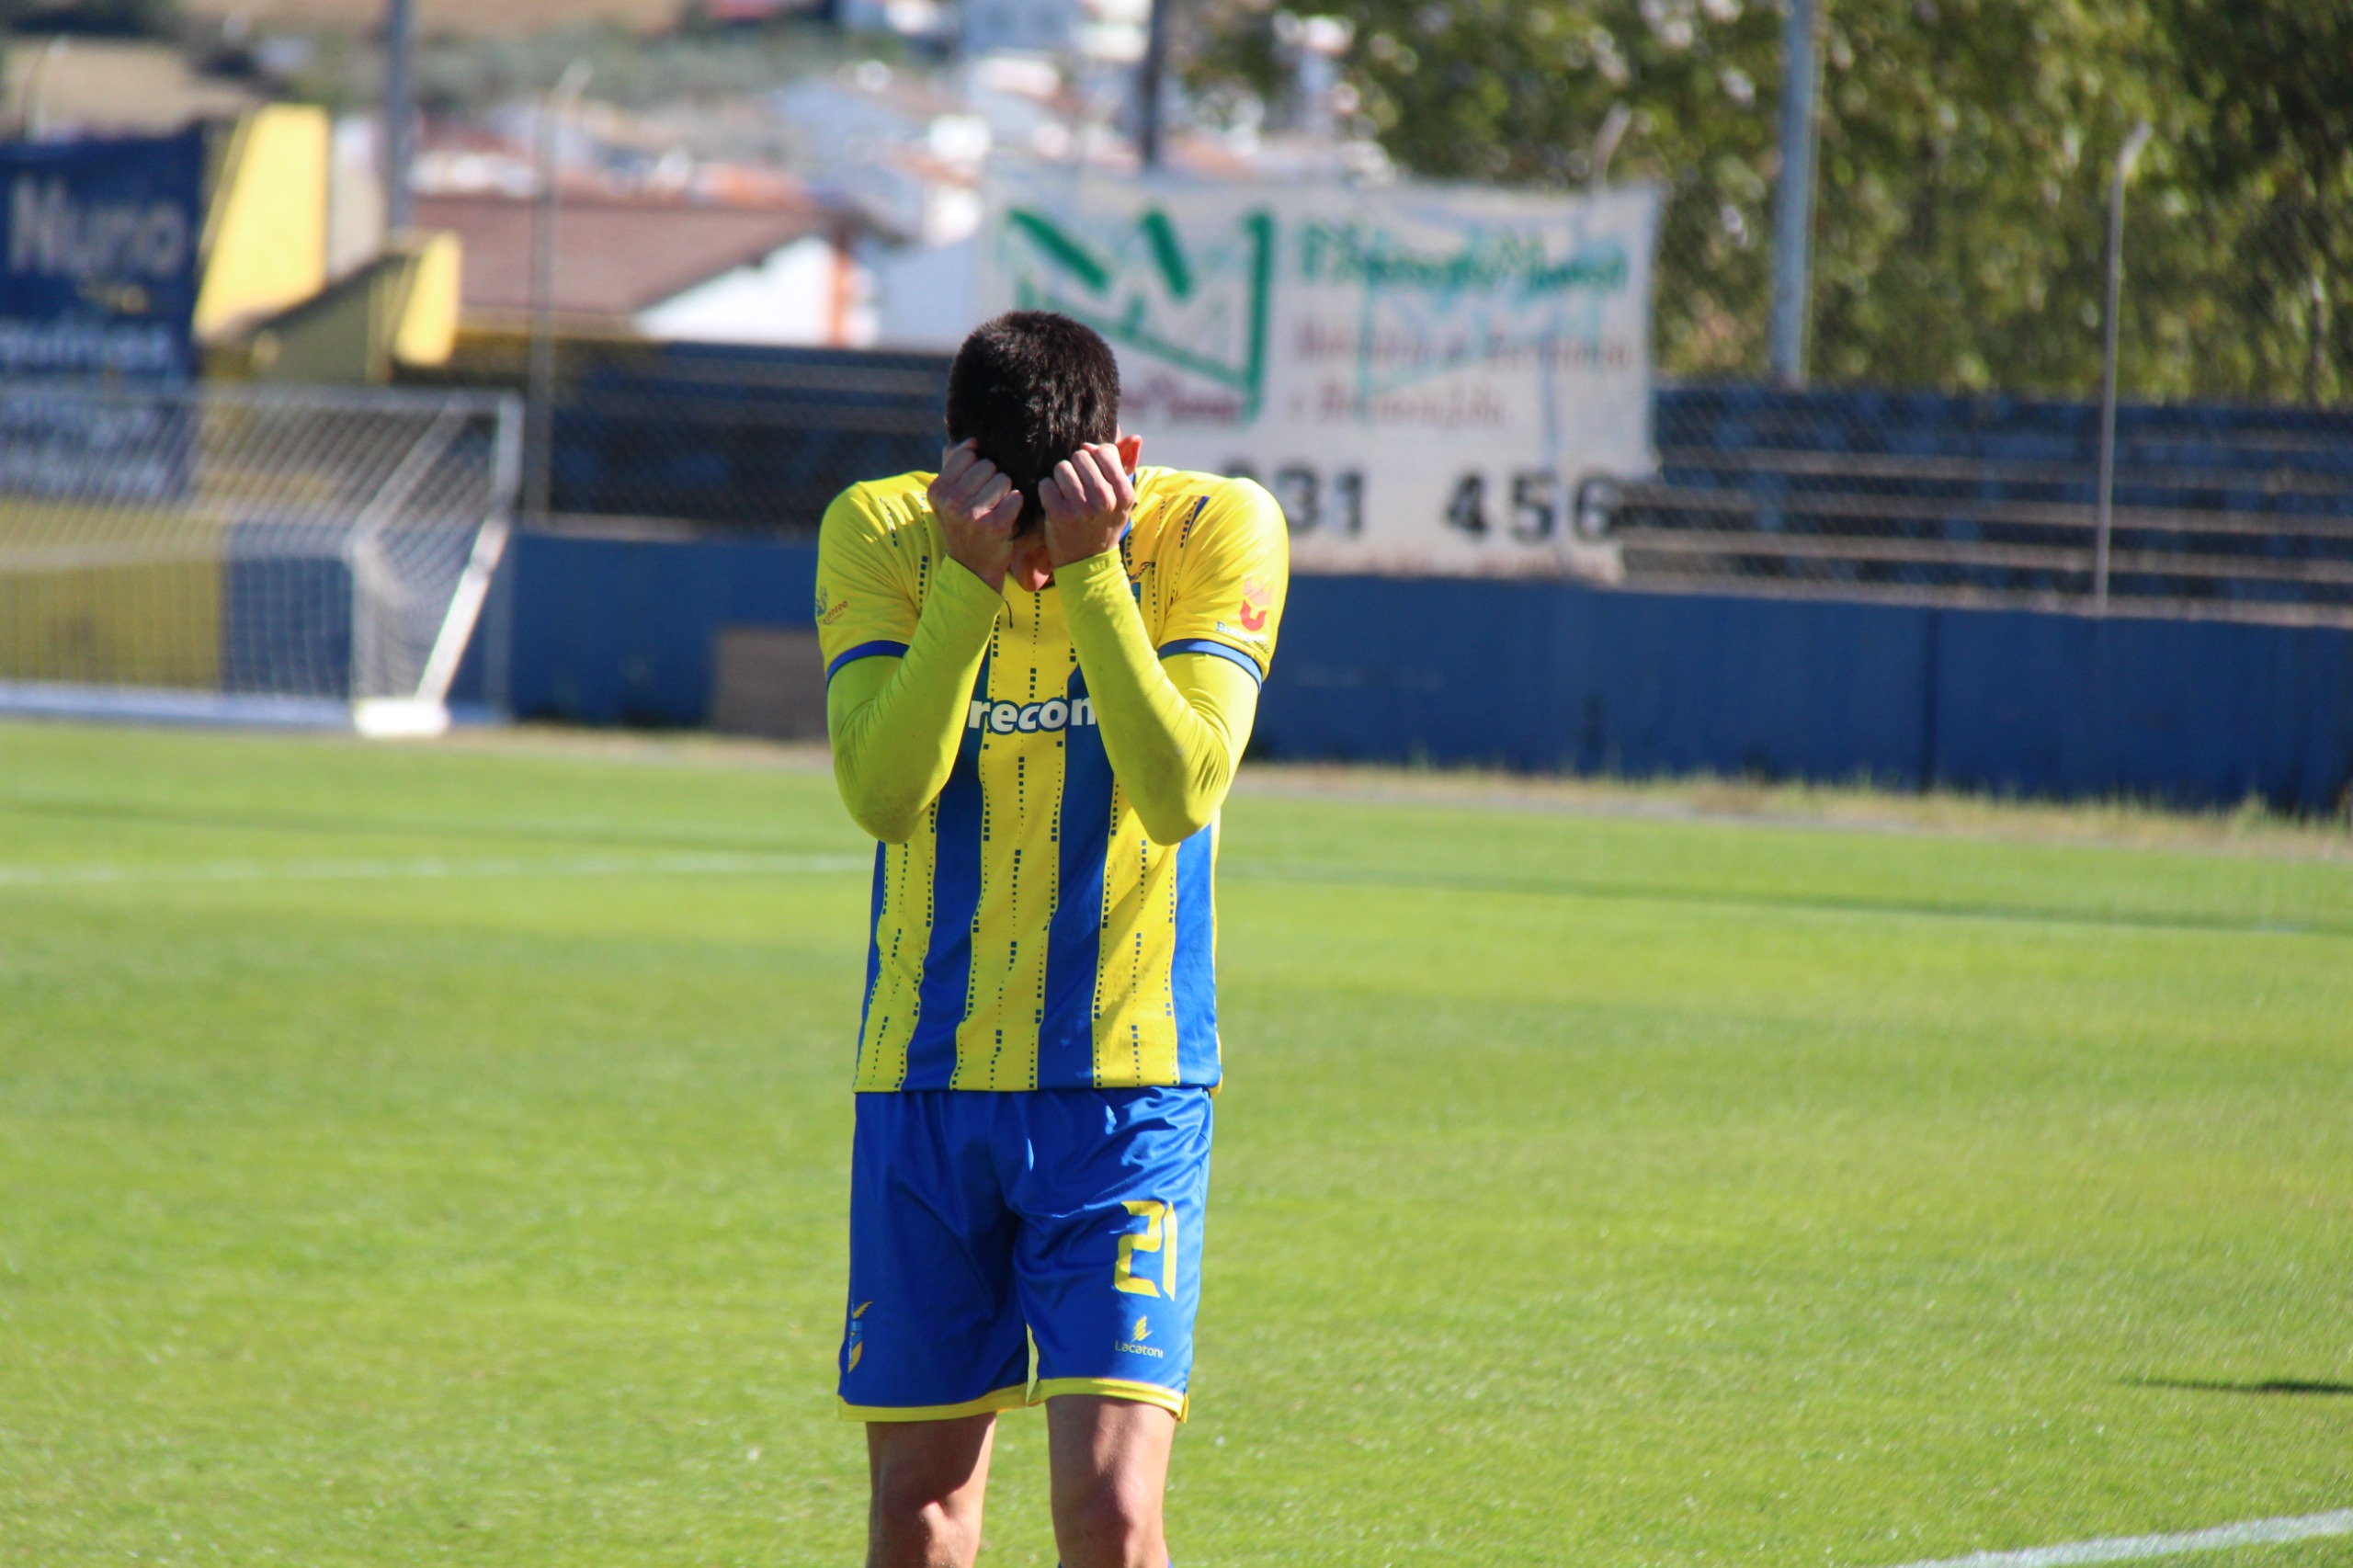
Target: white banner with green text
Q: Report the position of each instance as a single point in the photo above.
(1427, 377)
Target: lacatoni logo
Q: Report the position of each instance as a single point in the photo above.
(1028, 718)
(52, 235)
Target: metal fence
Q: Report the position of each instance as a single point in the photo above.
(716, 436)
(1969, 287)
(2233, 511)
(2019, 209)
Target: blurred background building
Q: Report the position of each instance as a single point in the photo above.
(754, 171)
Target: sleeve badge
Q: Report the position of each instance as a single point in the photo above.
(1258, 597)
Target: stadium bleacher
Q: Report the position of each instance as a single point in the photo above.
(2244, 513)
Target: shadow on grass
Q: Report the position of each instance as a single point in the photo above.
(2215, 1385)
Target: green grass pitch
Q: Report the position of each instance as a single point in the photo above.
(438, 1154)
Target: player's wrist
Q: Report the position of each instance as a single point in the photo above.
(990, 573)
(1083, 554)
(967, 592)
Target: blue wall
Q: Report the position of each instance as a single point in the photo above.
(621, 631)
(1546, 676)
(1550, 676)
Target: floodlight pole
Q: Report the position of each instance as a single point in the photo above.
(1605, 143)
(35, 115)
(1793, 195)
(539, 433)
(400, 112)
(1151, 78)
(2129, 154)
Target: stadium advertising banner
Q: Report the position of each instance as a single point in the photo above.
(100, 239)
(1424, 376)
(97, 284)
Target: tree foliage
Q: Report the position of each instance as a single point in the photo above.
(1965, 148)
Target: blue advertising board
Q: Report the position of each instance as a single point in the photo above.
(98, 244)
(99, 257)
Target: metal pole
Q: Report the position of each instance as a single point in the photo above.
(498, 615)
(1605, 142)
(400, 112)
(539, 435)
(2315, 339)
(1793, 195)
(2125, 158)
(1150, 76)
(36, 115)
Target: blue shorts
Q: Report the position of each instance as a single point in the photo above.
(980, 1221)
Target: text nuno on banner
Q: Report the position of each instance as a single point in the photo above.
(98, 242)
(1423, 375)
(99, 257)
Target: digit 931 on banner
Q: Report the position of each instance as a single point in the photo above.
(1426, 377)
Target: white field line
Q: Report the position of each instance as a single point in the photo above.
(2120, 1549)
(426, 867)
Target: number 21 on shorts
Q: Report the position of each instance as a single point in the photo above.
(1159, 1235)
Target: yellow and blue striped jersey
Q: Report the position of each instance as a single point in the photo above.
(1030, 934)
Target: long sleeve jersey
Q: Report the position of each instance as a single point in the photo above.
(1043, 774)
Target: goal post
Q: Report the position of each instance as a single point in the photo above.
(247, 553)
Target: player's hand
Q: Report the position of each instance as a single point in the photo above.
(1089, 499)
(976, 506)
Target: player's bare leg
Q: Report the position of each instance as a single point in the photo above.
(1110, 1470)
(928, 1479)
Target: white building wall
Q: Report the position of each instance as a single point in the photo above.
(355, 196)
(1042, 27)
(925, 296)
(807, 294)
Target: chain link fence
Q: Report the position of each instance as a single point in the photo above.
(2241, 511)
(2238, 297)
(654, 435)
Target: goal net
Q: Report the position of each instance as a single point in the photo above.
(264, 554)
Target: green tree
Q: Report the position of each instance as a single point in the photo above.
(2269, 156)
(1960, 220)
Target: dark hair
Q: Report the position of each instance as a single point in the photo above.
(1029, 389)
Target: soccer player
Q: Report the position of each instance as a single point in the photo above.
(1042, 664)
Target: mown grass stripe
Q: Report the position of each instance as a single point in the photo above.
(1537, 886)
(108, 874)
